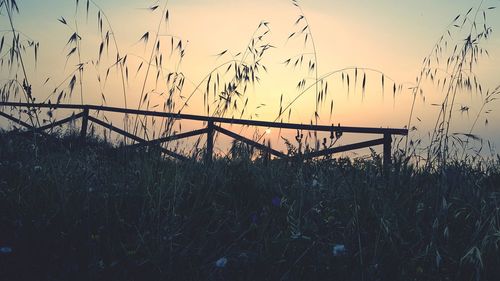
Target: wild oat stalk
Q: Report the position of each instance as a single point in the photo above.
(344, 74)
(225, 86)
(105, 36)
(306, 31)
(153, 57)
(173, 81)
(320, 83)
(427, 72)
(15, 59)
(244, 72)
(458, 75)
(490, 97)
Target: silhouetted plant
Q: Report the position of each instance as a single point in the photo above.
(14, 60)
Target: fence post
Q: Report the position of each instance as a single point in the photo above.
(210, 142)
(387, 151)
(268, 154)
(85, 123)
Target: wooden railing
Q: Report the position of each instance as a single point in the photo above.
(214, 124)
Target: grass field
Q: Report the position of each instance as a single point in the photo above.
(90, 212)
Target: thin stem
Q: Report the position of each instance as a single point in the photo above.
(78, 46)
(419, 82)
(28, 96)
(149, 65)
(117, 51)
(315, 62)
(321, 79)
(203, 80)
(468, 46)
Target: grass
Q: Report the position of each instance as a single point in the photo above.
(73, 210)
(91, 212)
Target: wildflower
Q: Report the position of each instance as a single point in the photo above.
(339, 250)
(315, 183)
(276, 201)
(38, 168)
(253, 218)
(221, 263)
(5, 250)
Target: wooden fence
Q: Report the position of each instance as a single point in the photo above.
(214, 124)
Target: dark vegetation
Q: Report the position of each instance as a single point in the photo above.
(92, 212)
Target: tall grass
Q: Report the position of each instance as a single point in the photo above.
(96, 213)
(451, 65)
(224, 87)
(13, 59)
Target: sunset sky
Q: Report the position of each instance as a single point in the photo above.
(387, 35)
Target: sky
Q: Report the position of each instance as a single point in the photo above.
(389, 36)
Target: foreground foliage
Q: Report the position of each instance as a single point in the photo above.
(70, 211)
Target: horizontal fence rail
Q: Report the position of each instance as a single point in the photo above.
(211, 128)
(322, 128)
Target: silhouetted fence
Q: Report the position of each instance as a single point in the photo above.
(214, 124)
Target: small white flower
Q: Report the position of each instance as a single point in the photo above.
(339, 250)
(439, 259)
(315, 183)
(38, 168)
(221, 263)
(5, 250)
